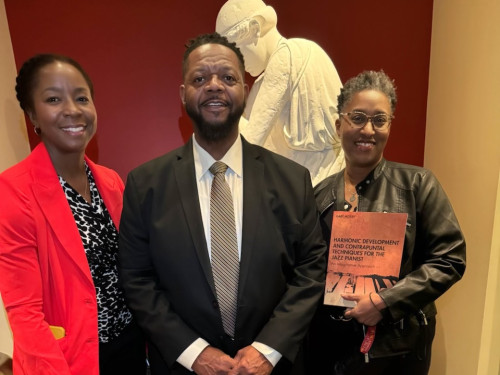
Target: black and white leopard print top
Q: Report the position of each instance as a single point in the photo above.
(100, 241)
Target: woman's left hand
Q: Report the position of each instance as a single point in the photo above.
(365, 312)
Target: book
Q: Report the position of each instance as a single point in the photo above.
(364, 255)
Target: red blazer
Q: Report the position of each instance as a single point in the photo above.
(44, 275)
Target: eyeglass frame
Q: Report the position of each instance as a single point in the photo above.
(368, 119)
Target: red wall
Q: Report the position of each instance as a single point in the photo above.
(133, 49)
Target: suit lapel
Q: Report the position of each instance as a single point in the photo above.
(54, 205)
(188, 191)
(253, 188)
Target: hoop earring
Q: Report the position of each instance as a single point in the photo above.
(37, 130)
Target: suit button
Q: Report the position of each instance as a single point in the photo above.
(87, 300)
(215, 304)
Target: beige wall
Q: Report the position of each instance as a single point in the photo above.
(489, 355)
(463, 149)
(13, 139)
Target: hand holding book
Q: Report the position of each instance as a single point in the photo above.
(365, 311)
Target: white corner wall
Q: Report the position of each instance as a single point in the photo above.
(463, 149)
(13, 137)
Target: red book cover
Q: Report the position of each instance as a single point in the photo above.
(365, 254)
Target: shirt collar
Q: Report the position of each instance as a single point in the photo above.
(233, 158)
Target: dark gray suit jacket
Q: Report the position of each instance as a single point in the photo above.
(165, 266)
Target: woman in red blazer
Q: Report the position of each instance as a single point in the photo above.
(58, 239)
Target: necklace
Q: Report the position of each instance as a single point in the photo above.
(354, 194)
(353, 197)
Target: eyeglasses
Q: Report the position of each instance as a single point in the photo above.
(380, 121)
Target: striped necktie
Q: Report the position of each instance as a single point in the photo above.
(224, 247)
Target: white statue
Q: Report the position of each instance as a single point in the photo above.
(291, 108)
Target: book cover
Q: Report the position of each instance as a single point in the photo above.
(365, 254)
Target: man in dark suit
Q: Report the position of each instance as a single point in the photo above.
(165, 236)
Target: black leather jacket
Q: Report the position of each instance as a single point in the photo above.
(434, 249)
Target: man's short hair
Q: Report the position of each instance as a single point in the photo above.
(213, 38)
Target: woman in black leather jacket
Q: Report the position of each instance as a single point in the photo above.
(433, 254)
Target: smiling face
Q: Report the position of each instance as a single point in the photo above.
(214, 92)
(63, 109)
(364, 147)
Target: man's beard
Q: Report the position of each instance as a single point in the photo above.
(211, 131)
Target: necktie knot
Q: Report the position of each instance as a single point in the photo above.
(218, 167)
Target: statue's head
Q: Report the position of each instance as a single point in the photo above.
(247, 22)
